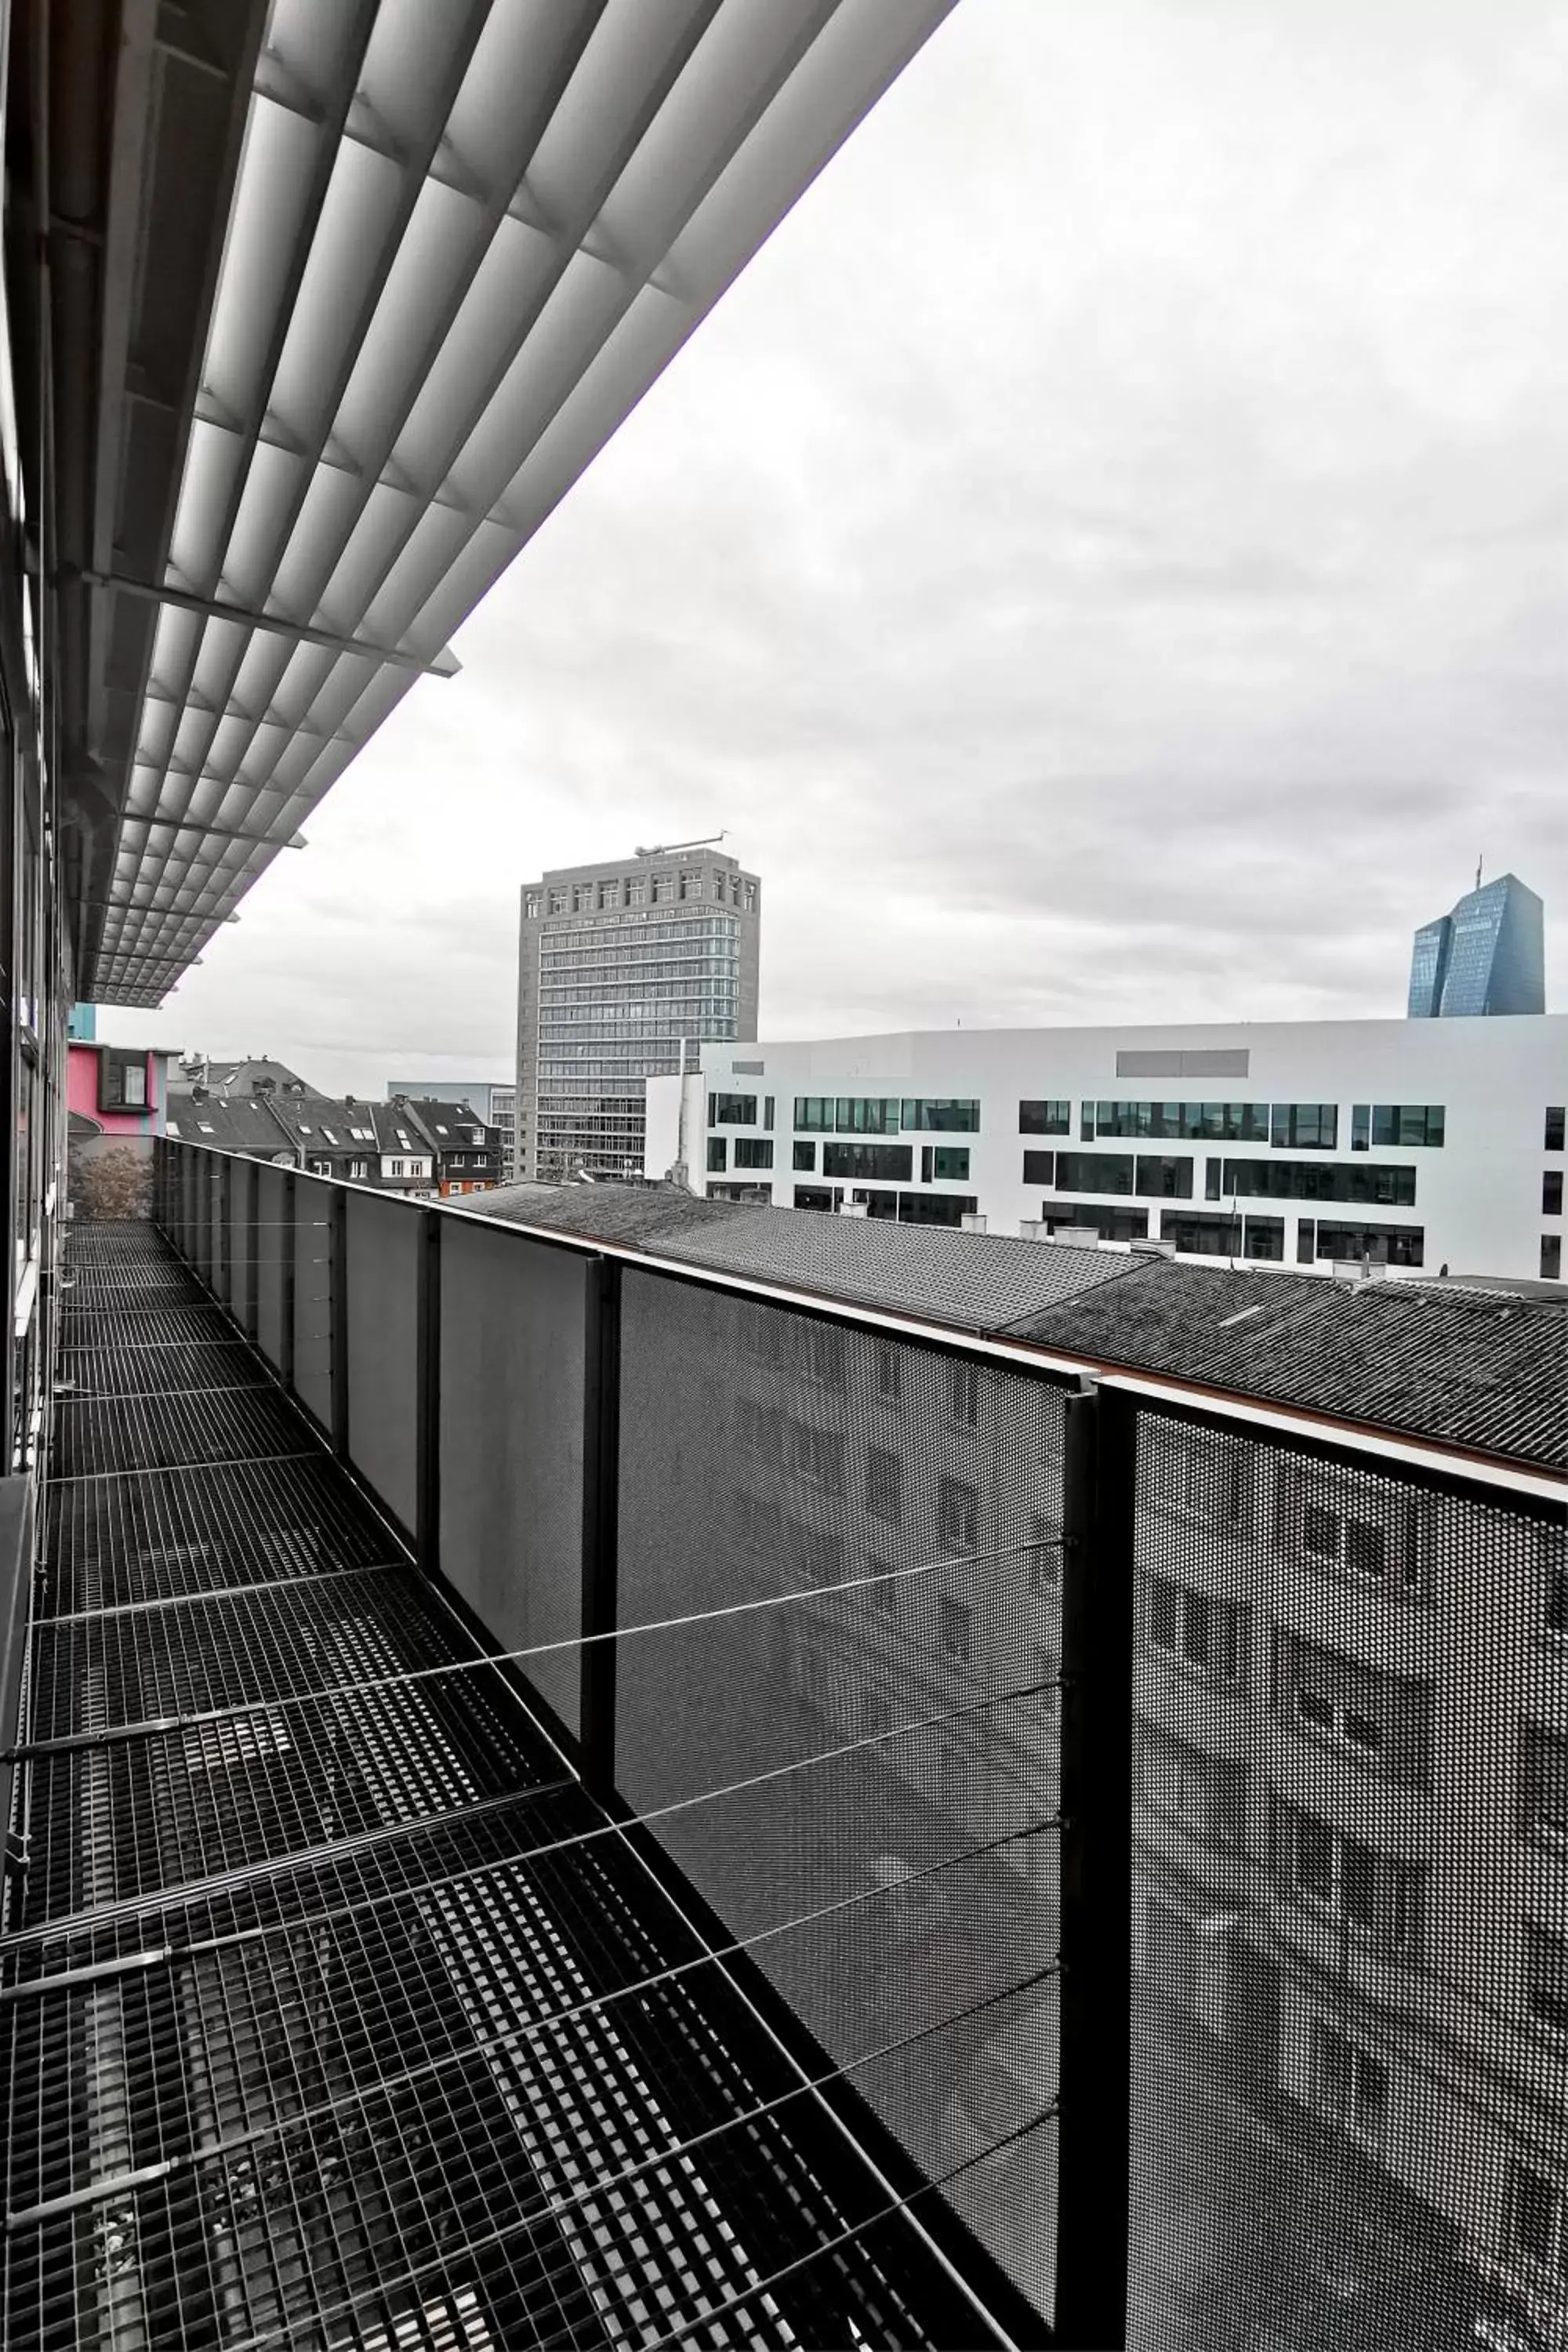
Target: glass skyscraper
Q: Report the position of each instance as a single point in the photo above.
(1487, 956)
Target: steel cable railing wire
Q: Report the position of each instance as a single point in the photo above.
(50, 1929)
(551, 2210)
(370, 1686)
(504, 2037)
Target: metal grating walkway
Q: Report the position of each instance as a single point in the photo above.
(333, 2010)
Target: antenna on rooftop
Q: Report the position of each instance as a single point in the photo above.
(668, 848)
(1477, 873)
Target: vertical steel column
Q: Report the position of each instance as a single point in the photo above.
(601, 1499)
(338, 1321)
(428, 1409)
(1094, 2123)
(288, 1251)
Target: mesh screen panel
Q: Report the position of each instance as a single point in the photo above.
(513, 1319)
(764, 1452)
(313, 1295)
(240, 1176)
(1349, 1895)
(385, 1239)
(271, 1201)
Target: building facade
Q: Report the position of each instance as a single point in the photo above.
(493, 1104)
(1404, 1147)
(1486, 957)
(619, 966)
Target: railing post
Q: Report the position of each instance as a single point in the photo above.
(338, 1315)
(1094, 2121)
(427, 1376)
(601, 1498)
(289, 1250)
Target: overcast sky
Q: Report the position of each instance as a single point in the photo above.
(1105, 560)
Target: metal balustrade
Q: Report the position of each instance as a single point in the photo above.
(685, 1814)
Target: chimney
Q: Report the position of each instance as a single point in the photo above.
(973, 1224)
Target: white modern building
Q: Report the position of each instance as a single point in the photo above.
(1408, 1146)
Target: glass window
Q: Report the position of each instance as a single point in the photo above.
(1180, 1122)
(803, 1157)
(1379, 1244)
(957, 1516)
(121, 1081)
(1403, 1126)
(1536, 2213)
(636, 891)
(1551, 1257)
(1047, 1117)
(754, 1151)
(732, 1110)
(1165, 1176)
(1306, 1241)
(1551, 1192)
(1350, 2086)
(1361, 1126)
(1556, 1119)
(814, 1114)
(884, 1485)
(889, 1162)
(953, 1628)
(1546, 1977)
(812, 1196)
(768, 1112)
(1040, 1167)
(717, 1154)
(1094, 1171)
(866, 1115)
(1304, 1127)
(531, 905)
(942, 1116)
(940, 1162)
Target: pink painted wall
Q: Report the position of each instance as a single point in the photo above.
(82, 1094)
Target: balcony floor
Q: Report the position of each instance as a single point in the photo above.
(308, 2020)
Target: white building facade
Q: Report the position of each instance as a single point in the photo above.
(1408, 1145)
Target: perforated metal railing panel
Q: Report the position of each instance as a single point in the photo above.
(1350, 1905)
(769, 1452)
(348, 2019)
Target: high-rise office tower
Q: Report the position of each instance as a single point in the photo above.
(618, 964)
(1487, 956)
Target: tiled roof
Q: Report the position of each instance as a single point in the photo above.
(980, 1281)
(241, 1123)
(1486, 1368)
(1461, 1363)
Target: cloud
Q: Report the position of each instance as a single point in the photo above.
(1105, 560)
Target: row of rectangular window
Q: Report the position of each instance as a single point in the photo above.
(939, 1162)
(947, 1208)
(885, 1115)
(1289, 1127)
(1556, 1126)
(1172, 1176)
(639, 890)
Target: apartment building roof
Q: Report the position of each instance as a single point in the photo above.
(1455, 1361)
(231, 1123)
(237, 1075)
(979, 1281)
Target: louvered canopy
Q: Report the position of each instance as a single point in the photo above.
(462, 239)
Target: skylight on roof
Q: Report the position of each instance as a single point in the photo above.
(331, 1138)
